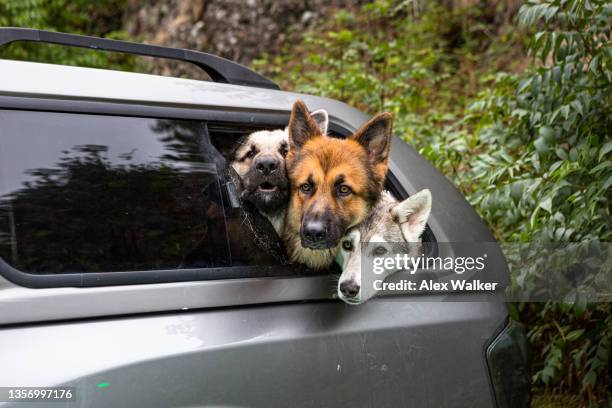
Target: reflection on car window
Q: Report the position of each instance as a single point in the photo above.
(88, 193)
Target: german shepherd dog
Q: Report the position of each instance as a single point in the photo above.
(334, 184)
(259, 161)
(391, 226)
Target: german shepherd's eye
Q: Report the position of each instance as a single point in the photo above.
(344, 190)
(306, 188)
(380, 251)
(347, 245)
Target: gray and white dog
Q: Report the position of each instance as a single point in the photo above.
(391, 223)
(259, 161)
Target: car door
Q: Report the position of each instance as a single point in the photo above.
(98, 214)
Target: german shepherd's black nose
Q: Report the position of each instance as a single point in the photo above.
(350, 289)
(320, 231)
(266, 165)
(314, 234)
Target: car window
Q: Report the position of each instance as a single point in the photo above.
(93, 193)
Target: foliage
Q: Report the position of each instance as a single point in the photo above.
(527, 140)
(561, 113)
(102, 19)
(549, 133)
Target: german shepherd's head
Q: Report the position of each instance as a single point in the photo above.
(334, 182)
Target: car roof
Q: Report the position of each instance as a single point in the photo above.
(40, 80)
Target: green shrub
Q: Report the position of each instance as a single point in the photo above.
(98, 18)
(560, 115)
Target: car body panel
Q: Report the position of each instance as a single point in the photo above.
(387, 353)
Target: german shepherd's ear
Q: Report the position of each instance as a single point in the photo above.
(301, 126)
(375, 137)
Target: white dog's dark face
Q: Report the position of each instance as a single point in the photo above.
(260, 163)
(259, 160)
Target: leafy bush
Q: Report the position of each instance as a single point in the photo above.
(101, 18)
(530, 148)
(561, 114)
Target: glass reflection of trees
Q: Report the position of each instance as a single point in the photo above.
(90, 213)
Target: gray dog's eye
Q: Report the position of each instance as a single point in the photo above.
(380, 250)
(347, 245)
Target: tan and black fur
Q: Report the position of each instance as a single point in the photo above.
(334, 184)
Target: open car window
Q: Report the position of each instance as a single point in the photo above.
(90, 193)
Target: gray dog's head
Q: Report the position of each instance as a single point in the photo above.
(259, 160)
(391, 227)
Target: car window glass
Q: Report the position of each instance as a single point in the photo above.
(93, 193)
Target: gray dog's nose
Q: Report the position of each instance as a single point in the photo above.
(350, 289)
(266, 165)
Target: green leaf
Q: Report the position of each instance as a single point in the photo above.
(562, 154)
(580, 306)
(573, 154)
(574, 335)
(605, 149)
(516, 191)
(601, 166)
(524, 84)
(546, 205)
(577, 106)
(547, 133)
(548, 43)
(594, 64)
(607, 184)
(541, 146)
(590, 379)
(565, 110)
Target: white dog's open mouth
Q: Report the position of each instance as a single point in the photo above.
(267, 187)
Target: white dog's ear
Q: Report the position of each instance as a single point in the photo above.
(321, 119)
(412, 214)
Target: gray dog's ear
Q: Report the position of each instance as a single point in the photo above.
(301, 126)
(321, 119)
(412, 214)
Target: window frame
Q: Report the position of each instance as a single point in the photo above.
(226, 117)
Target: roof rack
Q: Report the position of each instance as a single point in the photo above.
(219, 69)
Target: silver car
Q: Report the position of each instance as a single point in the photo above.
(122, 278)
